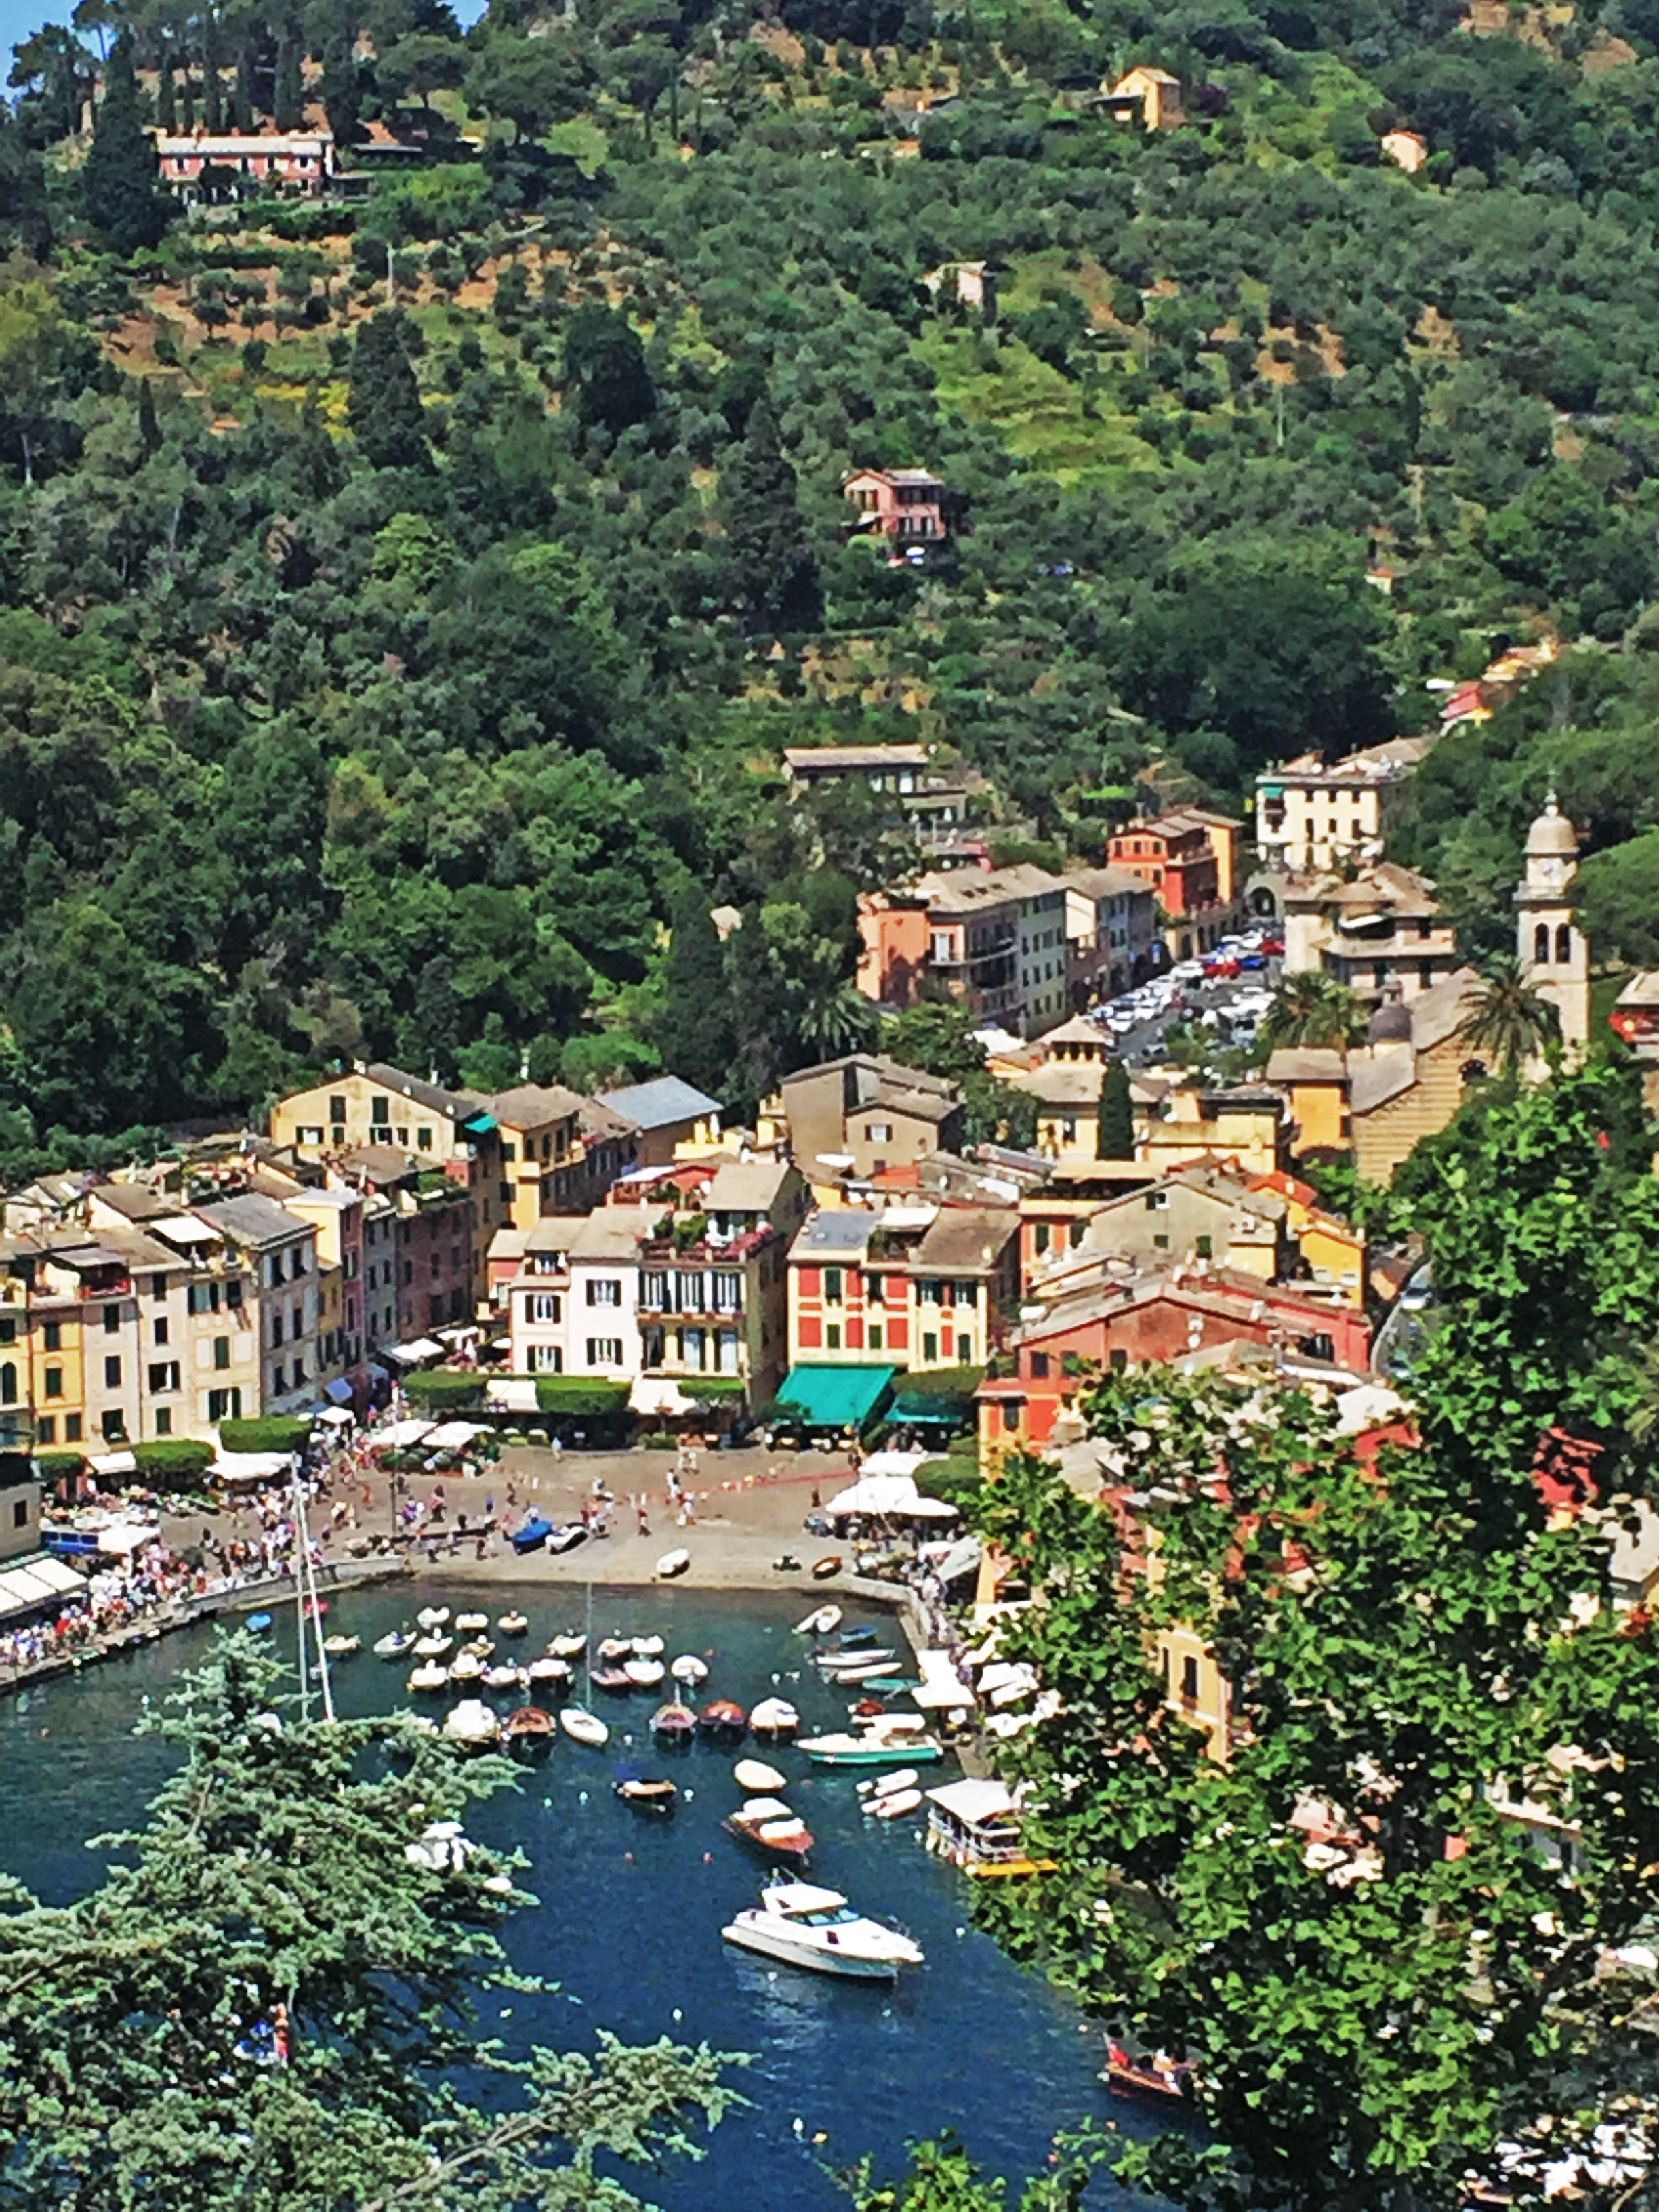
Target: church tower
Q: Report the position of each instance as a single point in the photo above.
(1554, 955)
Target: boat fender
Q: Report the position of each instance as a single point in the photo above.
(676, 2015)
(581, 1796)
(708, 1858)
(628, 1858)
(689, 1794)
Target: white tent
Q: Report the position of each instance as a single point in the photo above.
(123, 1538)
(252, 1466)
(410, 1355)
(336, 1417)
(512, 1394)
(112, 1463)
(452, 1436)
(658, 1394)
(889, 1496)
(903, 1463)
(398, 1436)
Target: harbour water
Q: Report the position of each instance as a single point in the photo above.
(630, 1911)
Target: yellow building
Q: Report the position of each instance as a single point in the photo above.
(539, 1129)
(1313, 1081)
(1245, 1125)
(962, 1274)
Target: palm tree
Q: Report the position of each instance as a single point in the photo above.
(1510, 1024)
(1314, 1010)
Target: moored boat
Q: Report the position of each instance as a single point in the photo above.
(549, 1673)
(644, 1673)
(470, 1623)
(433, 1646)
(768, 1825)
(690, 1669)
(803, 1925)
(895, 1805)
(568, 1645)
(505, 1678)
(674, 1724)
(819, 1622)
(610, 1678)
(720, 1717)
(512, 1624)
(432, 1616)
(529, 1725)
(754, 1774)
(342, 1647)
(673, 1563)
(614, 1648)
(430, 1674)
(773, 1716)
(260, 1623)
(467, 1667)
(842, 1749)
(586, 1728)
(888, 1785)
(647, 1647)
(394, 1645)
(827, 1565)
(1154, 2076)
(471, 1721)
(644, 1794)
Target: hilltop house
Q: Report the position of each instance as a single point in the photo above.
(296, 160)
(905, 505)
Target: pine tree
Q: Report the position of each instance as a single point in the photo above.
(290, 88)
(384, 404)
(212, 90)
(1115, 1123)
(123, 202)
(774, 573)
(342, 90)
(149, 430)
(695, 1031)
(166, 106)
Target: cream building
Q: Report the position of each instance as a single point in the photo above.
(1310, 814)
(1554, 955)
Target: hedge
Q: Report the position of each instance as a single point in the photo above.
(567, 1394)
(173, 1462)
(953, 1480)
(272, 1432)
(56, 1467)
(445, 1389)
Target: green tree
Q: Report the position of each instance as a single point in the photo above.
(694, 1030)
(534, 82)
(1511, 1024)
(1311, 1009)
(774, 573)
(604, 370)
(936, 1035)
(1114, 1119)
(289, 97)
(383, 404)
(123, 202)
(421, 63)
(270, 2001)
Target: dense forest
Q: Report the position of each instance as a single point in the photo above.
(405, 599)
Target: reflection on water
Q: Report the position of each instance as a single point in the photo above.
(630, 1909)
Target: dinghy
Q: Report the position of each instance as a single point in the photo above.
(768, 1824)
(570, 1645)
(819, 1622)
(430, 1674)
(342, 1647)
(549, 1671)
(529, 1727)
(586, 1728)
(895, 1805)
(644, 1673)
(646, 1795)
(470, 1623)
(395, 1645)
(671, 1563)
(647, 1647)
(690, 1669)
(773, 1716)
(504, 1678)
(754, 1776)
(432, 1616)
(720, 1717)
(471, 1722)
(674, 1724)
(434, 1646)
(512, 1624)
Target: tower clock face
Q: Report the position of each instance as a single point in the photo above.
(1550, 869)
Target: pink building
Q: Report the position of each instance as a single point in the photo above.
(903, 504)
(301, 161)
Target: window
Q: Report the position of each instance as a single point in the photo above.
(112, 1372)
(336, 1107)
(605, 1351)
(509, 1152)
(222, 1352)
(45, 1429)
(1039, 1367)
(72, 1428)
(964, 1294)
(653, 1293)
(545, 1305)
(379, 1112)
(1157, 1202)
(1189, 1681)
(279, 1380)
(19, 1513)
(296, 1263)
(546, 1359)
(233, 1293)
(1160, 1244)
(930, 1349)
(876, 1336)
(8, 1332)
(1040, 1236)
(965, 1351)
(832, 1286)
(880, 1132)
(312, 1135)
(202, 1298)
(932, 1292)
(225, 1405)
(8, 1384)
(158, 1329)
(51, 1336)
(604, 1291)
(1119, 1361)
(163, 1376)
(1541, 943)
(158, 1286)
(1204, 1246)
(113, 1425)
(164, 1420)
(423, 1138)
(694, 1348)
(728, 1291)
(1563, 945)
(832, 1337)
(727, 1351)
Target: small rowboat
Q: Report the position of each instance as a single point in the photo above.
(394, 1645)
(774, 1716)
(467, 1666)
(429, 1675)
(434, 1646)
(616, 1649)
(647, 1647)
(610, 1678)
(504, 1678)
(471, 1722)
(721, 1717)
(480, 1647)
(827, 1565)
(820, 1622)
(1160, 2077)
(649, 1797)
(671, 1563)
(258, 1622)
(567, 1646)
(837, 1666)
(470, 1623)
(768, 1825)
(342, 1647)
(584, 1727)
(754, 1775)
(895, 1805)
(529, 1724)
(689, 1668)
(550, 1670)
(674, 1724)
(432, 1616)
(888, 1785)
(644, 1673)
(512, 1624)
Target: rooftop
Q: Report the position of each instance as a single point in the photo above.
(965, 1240)
(256, 1221)
(1106, 882)
(533, 1105)
(836, 1231)
(659, 1103)
(745, 1185)
(964, 891)
(797, 757)
(610, 1232)
(452, 1104)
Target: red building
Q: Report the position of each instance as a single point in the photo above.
(1177, 854)
(302, 161)
(903, 504)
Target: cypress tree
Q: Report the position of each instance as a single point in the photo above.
(212, 90)
(1115, 1122)
(166, 106)
(383, 404)
(149, 430)
(123, 202)
(290, 89)
(695, 1031)
(773, 571)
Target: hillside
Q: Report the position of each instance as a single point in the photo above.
(407, 596)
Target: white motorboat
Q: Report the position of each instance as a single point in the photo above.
(890, 1785)
(470, 1623)
(434, 1646)
(847, 1665)
(672, 1562)
(512, 1624)
(773, 1716)
(442, 1848)
(567, 1646)
(342, 1647)
(504, 1678)
(895, 1805)
(647, 1647)
(803, 1925)
(614, 1648)
(586, 1728)
(647, 1673)
(769, 1826)
(687, 1668)
(471, 1721)
(432, 1616)
(841, 1749)
(479, 1646)
(465, 1667)
(430, 1674)
(819, 1622)
(394, 1645)
(756, 1776)
(548, 1670)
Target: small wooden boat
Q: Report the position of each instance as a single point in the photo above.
(720, 1717)
(529, 1724)
(674, 1724)
(819, 1622)
(671, 1563)
(849, 1637)
(342, 1647)
(888, 1785)
(479, 1646)
(754, 1775)
(690, 1669)
(430, 1674)
(570, 1645)
(846, 1669)
(549, 1671)
(616, 1649)
(774, 1716)
(512, 1624)
(467, 1667)
(394, 1645)
(768, 1826)
(645, 1795)
(647, 1647)
(610, 1678)
(895, 1805)
(259, 1623)
(586, 1728)
(505, 1678)
(827, 1565)
(433, 1646)
(644, 1673)
(470, 1623)
(1158, 2076)
(471, 1722)
(432, 1616)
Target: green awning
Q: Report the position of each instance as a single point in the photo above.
(824, 1397)
(480, 1125)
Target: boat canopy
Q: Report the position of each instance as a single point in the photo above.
(802, 1897)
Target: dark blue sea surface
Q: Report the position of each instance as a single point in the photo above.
(630, 1909)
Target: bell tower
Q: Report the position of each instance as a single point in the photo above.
(1551, 948)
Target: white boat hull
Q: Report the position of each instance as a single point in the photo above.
(775, 1943)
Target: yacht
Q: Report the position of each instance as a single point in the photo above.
(804, 1926)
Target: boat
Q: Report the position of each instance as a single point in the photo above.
(644, 1673)
(889, 1686)
(432, 1616)
(531, 1535)
(395, 1645)
(550, 1670)
(827, 1565)
(721, 1717)
(768, 1824)
(838, 1662)
(647, 1647)
(440, 1848)
(645, 1795)
(465, 1667)
(888, 1785)
(471, 1721)
(430, 1674)
(433, 1646)
(512, 1624)
(674, 1723)
(610, 1678)
(773, 1716)
(585, 1727)
(505, 1678)
(803, 1925)
(259, 1623)
(616, 1649)
(858, 1670)
(849, 1637)
(894, 1805)
(570, 1645)
(844, 1750)
(820, 1622)
(479, 1646)
(671, 1563)
(342, 1647)
(1156, 2076)
(529, 1725)
(753, 1774)
(690, 1669)
(470, 1623)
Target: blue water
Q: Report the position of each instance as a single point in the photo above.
(631, 1910)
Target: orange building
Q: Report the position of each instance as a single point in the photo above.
(1182, 856)
(895, 936)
